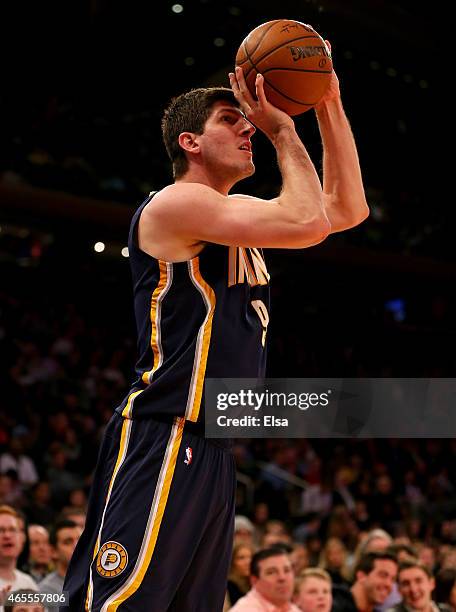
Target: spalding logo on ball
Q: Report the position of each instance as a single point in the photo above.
(294, 60)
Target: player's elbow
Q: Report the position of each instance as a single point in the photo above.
(313, 232)
(359, 217)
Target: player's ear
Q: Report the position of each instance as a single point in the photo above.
(188, 141)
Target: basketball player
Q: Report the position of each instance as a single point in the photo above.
(159, 527)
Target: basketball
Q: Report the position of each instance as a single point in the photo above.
(294, 60)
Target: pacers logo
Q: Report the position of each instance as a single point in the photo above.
(111, 560)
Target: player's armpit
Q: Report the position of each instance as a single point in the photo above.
(192, 212)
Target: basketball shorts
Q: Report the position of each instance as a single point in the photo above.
(159, 528)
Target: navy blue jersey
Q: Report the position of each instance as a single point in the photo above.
(205, 317)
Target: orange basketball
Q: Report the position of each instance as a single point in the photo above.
(294, 60)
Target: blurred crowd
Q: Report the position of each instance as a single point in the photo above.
(63, 373)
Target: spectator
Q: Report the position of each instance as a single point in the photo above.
(15, 459)
(299, 558)
(427, 555)
(243, 530)
(333, 559)
(63, 538)
(11, 543)
(238, 577)
(376, 540)
(77, 515)
(313, 590)
(275, 532)
(271, 577)
(445, 588)
(40, 510)
(374, 578)
(40, 559)
(416, 584)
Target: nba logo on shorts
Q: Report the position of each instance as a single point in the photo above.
(189, 455)
(112, 559)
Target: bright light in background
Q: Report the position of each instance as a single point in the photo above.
(124, 252)
(219, 42)
(177, 8)
(99, 247)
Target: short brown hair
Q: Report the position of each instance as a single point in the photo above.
(412, 564)
(189, 113)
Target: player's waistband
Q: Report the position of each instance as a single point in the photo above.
(196, 429)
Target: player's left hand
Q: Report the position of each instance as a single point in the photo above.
(333, 91)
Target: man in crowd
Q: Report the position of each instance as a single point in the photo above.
(272, 580)
(374, 578)
(39, 562)
(11, 543)
(416, 584)
(64, 537)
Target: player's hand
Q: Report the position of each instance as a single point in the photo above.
(266, 117)
(333, 91)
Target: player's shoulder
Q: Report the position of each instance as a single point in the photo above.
(175, 197)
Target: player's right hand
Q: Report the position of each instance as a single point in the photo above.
(266, 117)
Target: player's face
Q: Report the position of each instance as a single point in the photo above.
(275, 582)
(379, 582)
(416, 587)
(225, 143)
(314, 595)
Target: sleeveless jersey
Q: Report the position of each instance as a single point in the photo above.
(205, 317)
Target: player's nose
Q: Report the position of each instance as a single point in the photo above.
(248, 128)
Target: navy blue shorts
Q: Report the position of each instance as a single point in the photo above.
(159, 529)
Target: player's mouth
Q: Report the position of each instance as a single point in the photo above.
(246, 146)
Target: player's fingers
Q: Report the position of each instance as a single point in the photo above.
(244, 90)
(237, 93)
(328, 44)
(259, 89)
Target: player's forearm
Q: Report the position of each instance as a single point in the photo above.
(301, 193)
(342, 181)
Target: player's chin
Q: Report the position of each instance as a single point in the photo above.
(249, 170)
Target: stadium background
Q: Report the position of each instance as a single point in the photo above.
(84, 87)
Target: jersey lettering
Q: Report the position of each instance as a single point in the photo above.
(247, 265)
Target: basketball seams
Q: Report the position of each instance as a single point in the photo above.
(288, 97)
(270, 51)
(263, 34)
(283, 69)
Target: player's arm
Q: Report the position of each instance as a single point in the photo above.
(188, 213)
(343, 191)
(191, 213)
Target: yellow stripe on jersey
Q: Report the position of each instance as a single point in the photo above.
(155, 519)
(124, 439)
(202, 343)
(126, 412)
(164, 283)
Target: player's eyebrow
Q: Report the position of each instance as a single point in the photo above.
(231, 109)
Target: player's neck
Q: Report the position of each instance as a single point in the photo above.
(199, 174)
